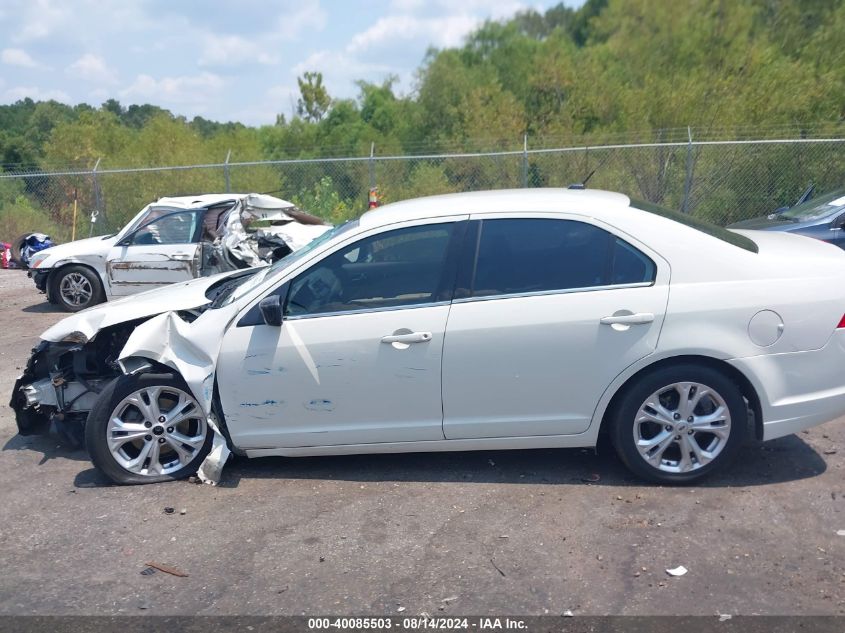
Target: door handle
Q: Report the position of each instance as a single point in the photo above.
(412, 337)
(181, 256)
(628, 319)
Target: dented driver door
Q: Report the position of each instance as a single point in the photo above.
(163, 251)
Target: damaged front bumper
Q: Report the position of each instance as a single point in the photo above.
(59, 385)
(36, 397)
(40, 278)
(63, 380)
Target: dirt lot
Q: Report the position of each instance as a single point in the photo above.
(479, 533)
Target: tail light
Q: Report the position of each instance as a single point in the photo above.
(841, 323)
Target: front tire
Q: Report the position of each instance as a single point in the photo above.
(75, 288)
(679, 424)
(146, 429)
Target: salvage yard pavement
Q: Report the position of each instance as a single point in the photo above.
(519, 532)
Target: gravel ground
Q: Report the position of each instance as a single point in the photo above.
(521, 532)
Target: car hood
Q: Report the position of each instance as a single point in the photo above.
(92, 247)
(83, 326)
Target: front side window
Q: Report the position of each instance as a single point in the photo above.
(536, 255)
(174, 228)
(396, 268)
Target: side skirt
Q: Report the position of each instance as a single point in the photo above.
(581, 440)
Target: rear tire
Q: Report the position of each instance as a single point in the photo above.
(74, 288)
(679, 424)
(147, 429)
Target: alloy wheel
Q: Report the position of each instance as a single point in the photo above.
(682, 427)
(76, 289)
(156, 431)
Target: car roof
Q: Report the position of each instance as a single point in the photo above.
(207, 199)
(201, 200)
(594, 202)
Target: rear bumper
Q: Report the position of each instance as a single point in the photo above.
(798, 390)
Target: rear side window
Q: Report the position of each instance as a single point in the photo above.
(705, 227)
(536, 255)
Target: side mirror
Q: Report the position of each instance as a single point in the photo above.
(271, 310)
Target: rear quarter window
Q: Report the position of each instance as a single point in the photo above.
(712, 230)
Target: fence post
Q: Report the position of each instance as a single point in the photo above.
(688, 178)
(372, 198)
(372, 165)
(98, 199)
(525, 161)
(226, 171)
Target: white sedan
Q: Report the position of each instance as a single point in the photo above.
(497, 320)
(172, 239)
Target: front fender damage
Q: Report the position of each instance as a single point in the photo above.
(192, 352)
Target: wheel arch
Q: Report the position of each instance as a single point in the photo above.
(51, 276)
(139, 364)
(735, 375)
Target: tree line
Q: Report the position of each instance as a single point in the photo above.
(633, 69)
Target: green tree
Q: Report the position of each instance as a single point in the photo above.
(314, 100)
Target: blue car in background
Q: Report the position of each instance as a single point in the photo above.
(822, 218)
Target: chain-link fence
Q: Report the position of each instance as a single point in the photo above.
(721, 181)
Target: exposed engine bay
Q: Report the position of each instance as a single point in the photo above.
(62, 379)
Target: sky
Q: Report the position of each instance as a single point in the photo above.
(224, 60)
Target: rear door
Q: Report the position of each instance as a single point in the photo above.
(544, 318)
(163, 251)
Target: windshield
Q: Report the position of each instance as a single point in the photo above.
(817, 208)
(246, 284)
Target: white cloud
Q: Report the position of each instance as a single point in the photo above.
(305, 17)
(18, 57)
(193, 90)
(92, 68)
(233, 50)
(220, 50)
(494, 9)
(445, 31)
(278, 99)
(220, 59)
(41, 18)
(407, 5)
(332, 63)
(36, 94)
(281, 93)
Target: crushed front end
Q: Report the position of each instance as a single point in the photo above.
(62, 380)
